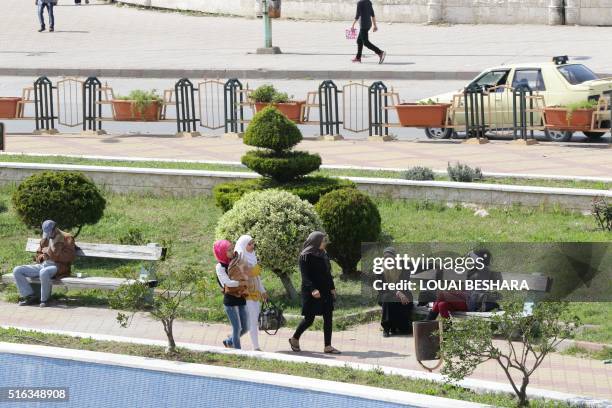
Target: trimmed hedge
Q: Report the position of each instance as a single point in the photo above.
(283, 166)
(349, 217)
(69, 198)
(310, 189)
(270, 129)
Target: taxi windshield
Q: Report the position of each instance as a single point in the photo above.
(576, 73)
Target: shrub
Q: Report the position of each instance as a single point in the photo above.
(350, 218)
(419, 173)
(264, 93)
(283, 166)
(70, 199)
(279, 222)
(142, 99)
(132, 237)
(463, 172)
(3, 207)
(270, 129)
(602, 211)
(281, 97)
(310, 189)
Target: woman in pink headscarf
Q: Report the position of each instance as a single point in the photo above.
(233, 297)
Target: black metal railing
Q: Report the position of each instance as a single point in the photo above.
(186, 120)
(378, 112)
(522, 112)
(473, 102)
(329, 116)
(43, 104)
(2, 140)
(233, 99)
(92, 106)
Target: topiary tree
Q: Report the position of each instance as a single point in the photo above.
(273, 132)
(349, 218)
(279, 222)
(69, 198)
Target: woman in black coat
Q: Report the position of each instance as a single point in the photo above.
(318, 290)
(396, 305)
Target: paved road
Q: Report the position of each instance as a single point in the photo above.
(130, 40)
(363, 344)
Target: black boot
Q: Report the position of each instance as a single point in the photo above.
(42, 28)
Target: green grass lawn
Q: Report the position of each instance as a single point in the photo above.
(373, 378)
(328, 172)
(187, 225)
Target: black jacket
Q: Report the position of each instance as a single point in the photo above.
(316, 274)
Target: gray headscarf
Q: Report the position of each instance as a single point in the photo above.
(390, 250)
(312, 246)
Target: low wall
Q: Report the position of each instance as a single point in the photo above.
(583, 12)
(193, 182)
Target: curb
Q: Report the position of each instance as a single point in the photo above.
(258, 73)
(479, 386)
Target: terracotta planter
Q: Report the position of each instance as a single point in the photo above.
(128, 111)
(292, 110)
(8, 107)
(557, 118)
(415, 115)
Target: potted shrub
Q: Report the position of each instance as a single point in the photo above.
(8, 107)
(267, 95)
(422, 114)
(138, 105)
(574, 116)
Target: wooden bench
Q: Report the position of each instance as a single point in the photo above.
(538, 286)
(150, 252)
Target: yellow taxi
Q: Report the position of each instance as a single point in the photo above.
(559, 82)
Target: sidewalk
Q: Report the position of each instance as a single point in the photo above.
(107, 40)
(362, 344)
(499, 156)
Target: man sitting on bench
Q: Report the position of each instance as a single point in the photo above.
(55, 253)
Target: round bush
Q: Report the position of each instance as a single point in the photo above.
(279, 222)
(350, 218)
(419, 173)
(270, 129)
(70, 199)
(310, 189)
(282, 167)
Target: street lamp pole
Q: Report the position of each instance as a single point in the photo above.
(267, 48)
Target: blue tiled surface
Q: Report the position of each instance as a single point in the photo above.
(106, 386)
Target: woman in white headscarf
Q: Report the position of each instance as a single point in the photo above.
(245, 247)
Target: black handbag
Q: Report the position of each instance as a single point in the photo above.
(271, 318)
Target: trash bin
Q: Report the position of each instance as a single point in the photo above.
(274, 8)
(427, 341)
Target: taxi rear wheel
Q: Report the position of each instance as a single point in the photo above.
(558, 135)
(438, 133)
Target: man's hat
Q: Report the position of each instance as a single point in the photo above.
(47, 227)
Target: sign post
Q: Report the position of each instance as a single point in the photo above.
(267, 48)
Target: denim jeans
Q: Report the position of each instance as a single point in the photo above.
(238, 318)
(49, 6)
(45, 272)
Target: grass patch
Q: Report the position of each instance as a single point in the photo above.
(186, 225)
(374, 378)
(577, 351)
(326, 172)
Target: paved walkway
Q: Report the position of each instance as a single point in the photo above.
(136, 43)
(362, 344)
(499, 156)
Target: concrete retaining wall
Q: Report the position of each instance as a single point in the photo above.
(192, 182)
(584, 12)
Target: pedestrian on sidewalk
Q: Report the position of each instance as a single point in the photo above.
(234, 287)
(318, 290)
(367, 19)
(54, 256)
(245, 248)
(42, 5)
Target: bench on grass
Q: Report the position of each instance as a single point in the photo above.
(538, 286)
(150, 252)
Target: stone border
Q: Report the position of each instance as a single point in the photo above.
(193, 182)
(238, 374)
(479, 386)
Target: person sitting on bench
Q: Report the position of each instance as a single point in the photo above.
(55, 253)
